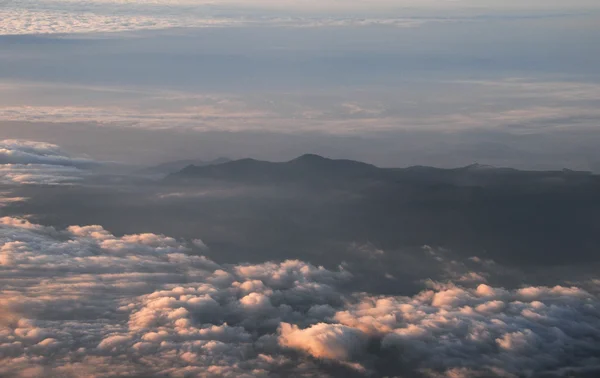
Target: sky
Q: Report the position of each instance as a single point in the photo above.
(436, 79)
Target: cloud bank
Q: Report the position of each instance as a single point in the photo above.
(29, 152)
(27, 162)
(82, 302)
(68, 17)
(100, 16)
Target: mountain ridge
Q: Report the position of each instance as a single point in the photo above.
(316, 168)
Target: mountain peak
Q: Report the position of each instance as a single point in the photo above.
(309, 158)
(479, 167)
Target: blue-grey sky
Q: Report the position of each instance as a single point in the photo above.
(341, 69)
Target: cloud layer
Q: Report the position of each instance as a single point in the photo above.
(27, 162)
(29, 152)
(102, 16)
(82, 302)
(66, 17)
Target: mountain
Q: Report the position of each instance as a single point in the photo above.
(513, 216)
(178, 165)
(306, 168)
(313, 207)
(311, 169)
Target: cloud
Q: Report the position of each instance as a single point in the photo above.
(6, 199)
(518, 105)
(85, 295)
(39, 174)
(101, 16)
(29, 152)
(41, 21)
(82, 302)
(27, 162)
(331, 341)
(68, 17)
(486, 331)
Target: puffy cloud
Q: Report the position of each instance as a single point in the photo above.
(82, 302)
(27, 162)
(28, 152)
(484, 329)
(332, 341)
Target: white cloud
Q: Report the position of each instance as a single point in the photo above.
(32, 21)
(331, 341)
(82, 302)
(27, 162)
(29, 152)
(142, 296)
(66, 17)
(104, 16)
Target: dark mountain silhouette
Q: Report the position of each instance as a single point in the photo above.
(311, 169)
(174, 166)
(306, 168)
(513, 216)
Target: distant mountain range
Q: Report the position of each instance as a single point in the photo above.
(174, 166)
(515, 216)
(311, 168)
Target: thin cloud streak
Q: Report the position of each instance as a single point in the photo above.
(68, 17)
